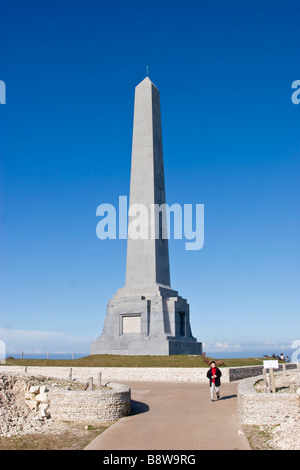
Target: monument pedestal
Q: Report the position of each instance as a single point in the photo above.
(155, 322)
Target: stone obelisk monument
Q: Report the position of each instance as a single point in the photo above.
(147, 316)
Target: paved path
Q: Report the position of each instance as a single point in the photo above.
(176, 416)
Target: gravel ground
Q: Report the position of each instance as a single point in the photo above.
(285, 436)
(16, 418)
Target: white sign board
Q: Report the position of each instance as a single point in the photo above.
(271, 365)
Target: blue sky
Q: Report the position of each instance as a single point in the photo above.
(231, 142)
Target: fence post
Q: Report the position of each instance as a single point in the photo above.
(70, 373)
(99, 378)
(272, 379)
(267, 381)
(91, 383)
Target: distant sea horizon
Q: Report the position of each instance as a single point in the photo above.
(47, 355)
(214, 354)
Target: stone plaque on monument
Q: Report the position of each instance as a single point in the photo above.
(146, 316)
(131, 324)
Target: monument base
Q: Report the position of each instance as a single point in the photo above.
(133, 347)
(155, 323)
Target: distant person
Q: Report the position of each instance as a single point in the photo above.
(287, 359)
(214, 374)
(282, 357)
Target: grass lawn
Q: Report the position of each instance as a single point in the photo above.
(108, 360)
(71, 436)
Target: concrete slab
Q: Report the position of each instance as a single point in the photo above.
(176, 416)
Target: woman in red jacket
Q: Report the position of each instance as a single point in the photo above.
(214, 374)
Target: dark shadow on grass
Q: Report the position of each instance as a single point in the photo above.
(138, 407)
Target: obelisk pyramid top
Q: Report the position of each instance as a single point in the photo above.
(146, 82)
(147, 256)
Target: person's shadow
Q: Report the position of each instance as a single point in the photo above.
(227, 397)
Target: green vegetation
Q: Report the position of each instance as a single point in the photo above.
(259, 437)
(107, 360)
(70, 436)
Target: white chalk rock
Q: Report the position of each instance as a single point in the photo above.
(42, 397)
(29, 396)
(44, 410)
(32, 404)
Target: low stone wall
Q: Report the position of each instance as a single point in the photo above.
(264, 408)
(123, 374)
(97, 406)
(159, 374)
(142, 374)
(238, 373)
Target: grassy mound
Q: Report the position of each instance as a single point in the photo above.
(108, 360)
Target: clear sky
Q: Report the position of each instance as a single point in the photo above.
(231, 138)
